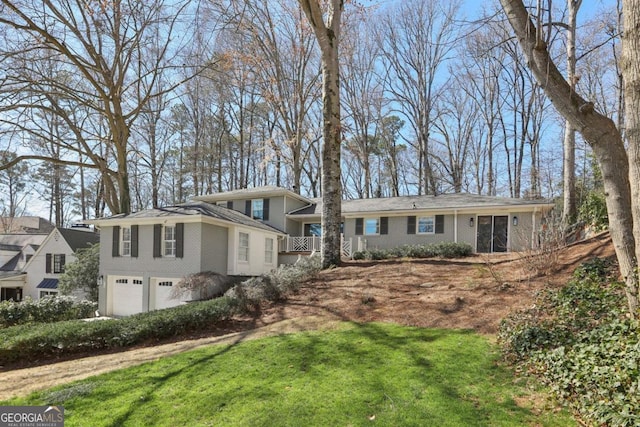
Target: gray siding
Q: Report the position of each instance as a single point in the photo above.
(276, 210)
(521, 236)
(398, 236)
(214, 251)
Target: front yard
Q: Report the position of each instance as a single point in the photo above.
(359, 375)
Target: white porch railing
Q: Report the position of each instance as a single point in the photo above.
(312, 244)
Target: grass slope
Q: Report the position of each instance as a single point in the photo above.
(358, 375)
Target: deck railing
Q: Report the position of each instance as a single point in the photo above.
(311, 244)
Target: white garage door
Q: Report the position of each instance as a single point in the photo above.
(125, 295)
(161, 289)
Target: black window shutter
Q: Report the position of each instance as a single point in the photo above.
(230, 204)
(247, 208)
(62, 261)
(439, 224)
(265, 209)
(134, 241)
(47, 267)
(157, 240)
(115, 249)
(359, 226)
(384, 225)
(411, 225)
(180, 240)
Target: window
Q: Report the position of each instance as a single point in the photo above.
(125, 241)
(268, 250)
(58, 263)
(44, 294)
(426, 225)
(257, 209)
(243, 247)
(28, 257)
(54, 263)
(371, 226)
(169, 241)
(313, 229)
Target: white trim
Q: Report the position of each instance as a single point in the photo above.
(364, 226)
(426, 233)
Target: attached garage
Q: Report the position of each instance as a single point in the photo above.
(161, 290)
(125, 295)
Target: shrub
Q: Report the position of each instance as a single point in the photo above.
(49, 309)
(593, 211)
(82, 274)
(441, 250)
(276, 284)
(36, 341)
(202, 286)
(579, 342)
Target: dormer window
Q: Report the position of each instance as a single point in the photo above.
(257, 209)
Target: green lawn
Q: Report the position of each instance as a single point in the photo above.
(358, 375)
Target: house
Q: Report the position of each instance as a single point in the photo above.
(249, 232)
(16, 249)
(143, 255)
(487, 223)
(45, 266)
(31, 262)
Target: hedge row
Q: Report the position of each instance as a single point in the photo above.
(45, 340)
(434, 250)
(49, 309)
(580, 342)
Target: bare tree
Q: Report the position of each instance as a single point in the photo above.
(569, 209)
(455, 126)
(102, 50)
(13, 181)
(620, 171)
(362, 100)
(416, 40)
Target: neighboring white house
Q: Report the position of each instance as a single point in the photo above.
(143, 255)
(47, 264)
(16, 249)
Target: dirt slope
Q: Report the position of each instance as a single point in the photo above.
(470, 293)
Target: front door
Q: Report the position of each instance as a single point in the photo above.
(492, 233)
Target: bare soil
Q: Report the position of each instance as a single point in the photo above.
(467, 293)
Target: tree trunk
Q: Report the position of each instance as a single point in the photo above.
(569, 145)
(599, 131)
(631, 76)
(328, 37)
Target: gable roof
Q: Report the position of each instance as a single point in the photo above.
(442, 202)
(185, 210)
(251, 193)
(78, 239)
(12, 264)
